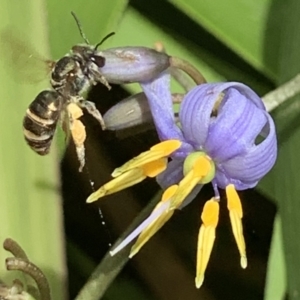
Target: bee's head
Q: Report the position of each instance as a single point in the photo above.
(88, 54)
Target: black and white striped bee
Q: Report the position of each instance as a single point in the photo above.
(71, 76)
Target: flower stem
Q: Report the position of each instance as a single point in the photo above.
(177, 74)
(187, 68)
(284, 92)
(111, 266)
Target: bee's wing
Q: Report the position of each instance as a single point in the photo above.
(26, 64)
(65, 125)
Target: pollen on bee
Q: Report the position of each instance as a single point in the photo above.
(78, 132)
(75, 112)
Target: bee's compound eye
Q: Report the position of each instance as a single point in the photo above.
(98, 60)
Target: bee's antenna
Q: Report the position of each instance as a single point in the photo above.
(80, 28)
(104, 39)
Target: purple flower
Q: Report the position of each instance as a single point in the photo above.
(239, 135)
(133, 64)
(225, 137)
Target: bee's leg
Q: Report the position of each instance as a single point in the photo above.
(92, 110)
(98, 77)
(102, 79)
(78, 132)
(80, 150)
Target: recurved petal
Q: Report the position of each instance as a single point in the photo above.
(198, 105)
(234, 130)
(245, 171)
(160, 101)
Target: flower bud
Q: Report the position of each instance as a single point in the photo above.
(129, 112)
(133, 64)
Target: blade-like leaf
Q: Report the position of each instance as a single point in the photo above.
(97, 20)
(241, 25)
(276, 277)
(284, 179)
(30, 203)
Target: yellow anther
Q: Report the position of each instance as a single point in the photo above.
(235, 202)
(150, 231)
(157, 223)
(184, 188)
(210, 213)
(169, 193)
(147, 164)
(158, 151)
(236, 213)
(201, 167)
(117, 184)
(154, 168)
(206, 238)
(167, 147)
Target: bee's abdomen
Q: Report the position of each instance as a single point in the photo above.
(40, 121)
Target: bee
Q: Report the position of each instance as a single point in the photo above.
(71, 76)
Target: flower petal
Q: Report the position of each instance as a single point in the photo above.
(234, 130)
(230, 137)
(133, 64)
(160, 102)
(197, 107)
(172, 175)
(245, 171)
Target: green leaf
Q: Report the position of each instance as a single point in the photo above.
(30, 202)
(276, 276)
(97, 20)
(284, 179)
(241, 25)
(137, 30)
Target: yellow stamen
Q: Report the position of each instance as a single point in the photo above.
(206, 238)
(201, 168)
(147, 164)
(185, 186)
(236, 214)
(167, 147)
(117, 184)
(154, 168)
(158, 151)
(157, 223)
